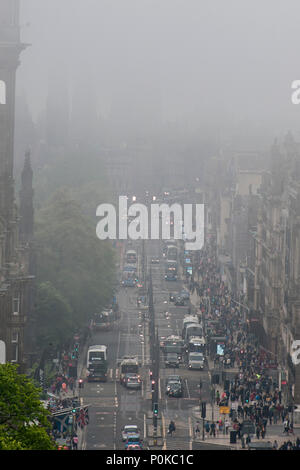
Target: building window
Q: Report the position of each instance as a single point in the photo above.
(14, 352)
(15, 336)
(2, 92)
(16, 305)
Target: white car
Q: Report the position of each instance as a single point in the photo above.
(196, 361)
(129, 429)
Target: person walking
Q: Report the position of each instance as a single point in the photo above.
(172, 428)
(227, 424)
(207, 427)
(75, 442)
(197, 430)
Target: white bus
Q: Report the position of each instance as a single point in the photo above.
(97, 362)
(96, 353)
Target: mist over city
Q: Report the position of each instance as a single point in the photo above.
(149, 226)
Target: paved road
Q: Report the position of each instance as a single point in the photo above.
(111, 405)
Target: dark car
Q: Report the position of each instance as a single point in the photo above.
(171, 360)
(171, 380)
(179, 301)
(175, 390)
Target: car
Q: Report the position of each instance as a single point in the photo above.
(196, 361)
(171, 360)
(179, 301)
(132, 381)
(129, 429)
(133, 439)
(172, 297)
(174, 378)
(170, 276)
(175, 390)
(185, 294)
(171, 380)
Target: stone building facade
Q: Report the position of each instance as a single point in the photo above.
(15, 281)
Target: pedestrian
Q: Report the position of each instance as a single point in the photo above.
(75, 442)
(213, 429)
(172, 428)
(275, 445)
(286, 426)
(227, 424)
(207, 427)
(197, 429)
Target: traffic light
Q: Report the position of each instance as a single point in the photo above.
(203, 409)
(155, 409)
(80, 383)
(152, 385)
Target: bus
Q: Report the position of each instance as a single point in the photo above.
(104, 320)
(131, 257)
(97, 363)
(187, 321)
(196, 344)
(193, 329)
(173, 344)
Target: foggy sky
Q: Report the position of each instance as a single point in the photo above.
(227, 63)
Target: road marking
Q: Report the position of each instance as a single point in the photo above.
(164, 432)
(159, 389)
(187, 388)
(145, 430)
(191, 433)
(115, 429)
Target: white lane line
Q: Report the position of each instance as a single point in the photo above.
(190, 433)
(115, 429)
(164, 431)
(159, 389)
(145, 430)
(187, 388)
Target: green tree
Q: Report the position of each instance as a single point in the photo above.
(73, 259)
(54, 316)
(23, 419)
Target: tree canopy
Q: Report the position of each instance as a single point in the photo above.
(75, 269)
(23, 419)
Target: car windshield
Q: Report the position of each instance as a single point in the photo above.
(134, 438)
(130, 429)
(196, 357)
(174, 378)
(175, 385)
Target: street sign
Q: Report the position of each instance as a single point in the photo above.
(225, 410)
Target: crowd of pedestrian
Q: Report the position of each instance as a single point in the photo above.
(252, 395)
